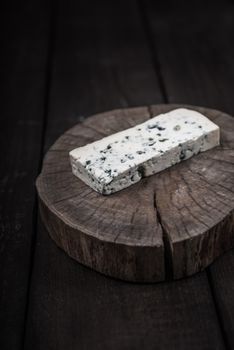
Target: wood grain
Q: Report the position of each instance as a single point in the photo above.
(24, 44)
(169, 225)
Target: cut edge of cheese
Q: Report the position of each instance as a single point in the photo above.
(176, 136)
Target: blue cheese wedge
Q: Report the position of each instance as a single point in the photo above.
(122, 159)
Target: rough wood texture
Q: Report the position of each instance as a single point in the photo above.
(23, 61)
(169, 225)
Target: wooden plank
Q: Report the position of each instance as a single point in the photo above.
(96, 58)
(221, 278)
(103, 62)
(23, 63)
(195, 56)
(74, 307)
(196, 59)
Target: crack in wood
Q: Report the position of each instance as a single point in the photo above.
(189, 192)
(216, 184)
(168, 250)
(181, 217)
(101, 133)
(150, 111)
(195, 217)
(64, 199)
(57, 172)
(133, 215)
(221, 160)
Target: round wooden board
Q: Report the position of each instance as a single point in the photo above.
(167, 226)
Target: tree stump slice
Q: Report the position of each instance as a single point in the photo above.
(167, 226)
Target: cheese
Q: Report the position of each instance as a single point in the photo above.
(122, 159)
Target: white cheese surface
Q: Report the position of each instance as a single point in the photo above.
(119, 160)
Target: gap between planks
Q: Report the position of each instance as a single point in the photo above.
(47, 88)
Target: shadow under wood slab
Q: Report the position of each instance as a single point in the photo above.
(169, 225)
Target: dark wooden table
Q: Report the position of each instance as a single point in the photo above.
(63, 61)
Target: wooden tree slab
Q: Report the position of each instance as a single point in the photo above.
(167, 226)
